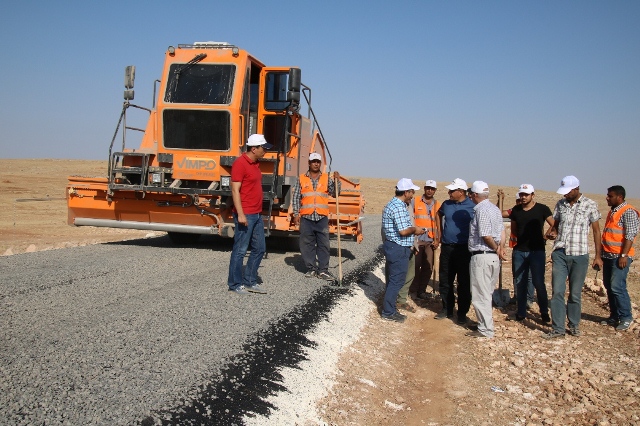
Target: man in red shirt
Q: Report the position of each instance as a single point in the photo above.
(246, 191)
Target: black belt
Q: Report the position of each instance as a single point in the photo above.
(473, 253)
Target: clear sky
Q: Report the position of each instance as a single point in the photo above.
(502, 91)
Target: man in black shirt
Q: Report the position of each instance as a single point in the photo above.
(528, 255)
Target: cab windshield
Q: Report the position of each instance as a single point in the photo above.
(200, 84)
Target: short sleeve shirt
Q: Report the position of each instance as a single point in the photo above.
(457, 216)
(248, 173)
(574, 223)
(530, 224)
(486, 222)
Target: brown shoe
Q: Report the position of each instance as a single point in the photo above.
(476, 334)
(406, 307)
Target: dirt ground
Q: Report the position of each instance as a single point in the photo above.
(422, 372)
(33, 216)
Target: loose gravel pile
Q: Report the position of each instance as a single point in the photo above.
(144, 332)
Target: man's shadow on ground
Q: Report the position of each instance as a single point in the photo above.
(295, 260)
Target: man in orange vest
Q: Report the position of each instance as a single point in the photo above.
(311, 213)
(425, 210)
(619, 232)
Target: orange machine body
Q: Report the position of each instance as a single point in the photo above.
(210, 98)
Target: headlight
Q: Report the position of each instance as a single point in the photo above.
(156, 177)
(225, 181)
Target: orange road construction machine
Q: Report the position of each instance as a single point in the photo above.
(210, 98)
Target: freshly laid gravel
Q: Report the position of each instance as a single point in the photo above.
(306, 383)
(145, 332)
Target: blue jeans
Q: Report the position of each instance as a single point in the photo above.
(530, 288)
(528, 266)
(252, 234)
(397, 265)
(574, 268)
(615, 281)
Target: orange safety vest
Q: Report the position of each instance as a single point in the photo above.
(423, 218)
(613, 234)
(314, 200)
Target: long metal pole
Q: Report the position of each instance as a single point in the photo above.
(335, 182)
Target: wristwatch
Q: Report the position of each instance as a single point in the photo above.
(623, 255)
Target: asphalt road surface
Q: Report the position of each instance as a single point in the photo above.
(143, 332)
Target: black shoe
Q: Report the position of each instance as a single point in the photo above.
(396, 317)
(473, 327)
(609, 321)
(424, 296)
(516, 317)
(546, 319)
(443, 315)
(311, 274)
(462, 320)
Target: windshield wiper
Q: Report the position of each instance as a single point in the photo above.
(183, 67)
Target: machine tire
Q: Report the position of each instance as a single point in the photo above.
(182, 238)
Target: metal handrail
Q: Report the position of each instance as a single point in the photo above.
(123, 117)
(315, 121)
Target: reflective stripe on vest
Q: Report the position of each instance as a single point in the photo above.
(314, 200)
(423, 218)
(613, 234)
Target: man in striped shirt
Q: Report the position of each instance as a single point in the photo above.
(486, 244)
(398, 240)
(573, 215)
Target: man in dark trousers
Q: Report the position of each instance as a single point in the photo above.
(455, 215)
(311, 213)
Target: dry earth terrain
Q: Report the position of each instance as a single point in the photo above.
(423, 371)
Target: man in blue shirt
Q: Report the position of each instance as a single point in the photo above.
(455, 215)
(398, 239)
